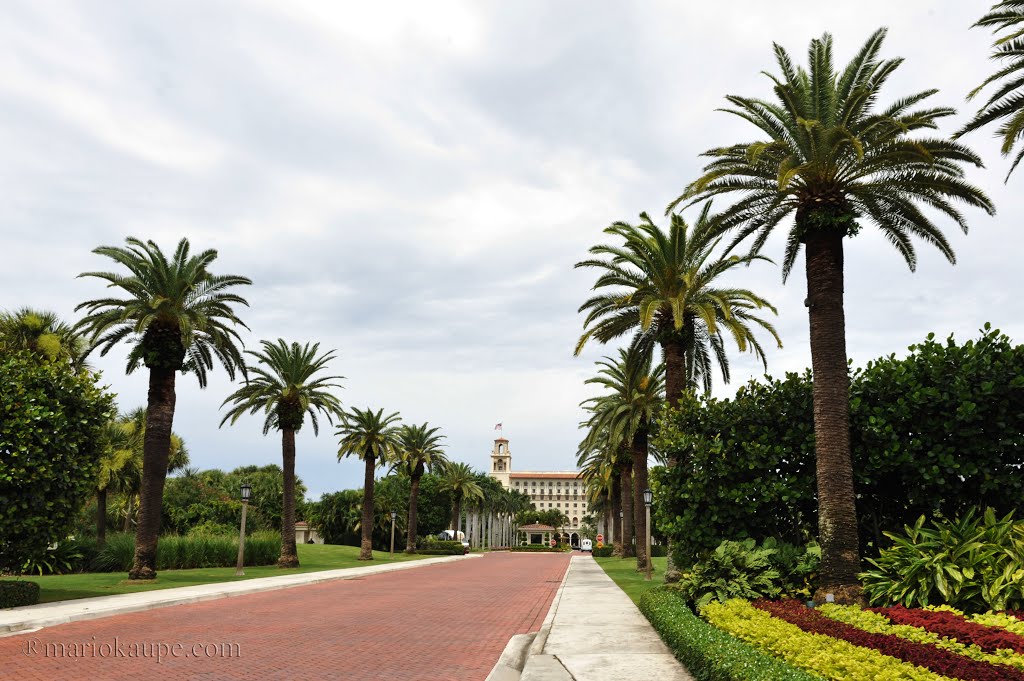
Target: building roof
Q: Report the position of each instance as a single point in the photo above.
(301, 523)
(560, 475)
(536, 527)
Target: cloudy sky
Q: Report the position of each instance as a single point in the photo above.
(411, 183)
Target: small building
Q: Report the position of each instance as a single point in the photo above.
(304, 534)
(536, 534)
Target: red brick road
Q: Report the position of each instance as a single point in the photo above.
(438, 623)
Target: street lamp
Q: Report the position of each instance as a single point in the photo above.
(246, 493)
(648, 500)
(394, 514)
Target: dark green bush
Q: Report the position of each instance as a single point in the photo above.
(709, 653)
(659, 550)
(605, 551)
(70, 555)
(15, 593)
(539, 548)
(431, 546)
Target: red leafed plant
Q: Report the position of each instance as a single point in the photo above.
(951, 625)
(924, 655)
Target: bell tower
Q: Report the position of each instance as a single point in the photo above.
(501, 462)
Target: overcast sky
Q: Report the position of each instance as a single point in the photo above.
(411, 183)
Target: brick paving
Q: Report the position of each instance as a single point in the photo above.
(437, 623)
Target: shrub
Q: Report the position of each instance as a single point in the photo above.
(659, 550)
(15, 593)
(746, 570)
(709, 653)
(952, 625)
(209, 528)
(66, 556)
(432, 546)
(538, 548)
(605, 551)
(51, 425)
(974, 563)
(178, 553)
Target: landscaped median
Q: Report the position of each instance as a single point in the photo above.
(762, 639)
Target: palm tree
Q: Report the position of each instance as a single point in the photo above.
(460, 480)
(42, 333)
(624, 414)
(373, 438)
(661, 286)
(285, 386)
(829, 158)
(603, 461)
(177, 316)
(1006, 103)
(120, 462)
(419, 451)
(130, 471)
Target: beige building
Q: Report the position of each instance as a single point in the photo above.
(561, 490)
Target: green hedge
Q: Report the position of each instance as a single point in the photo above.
(174, 552)
(709, 653)
(441, 548)
(533, 548)
(16, 592)
(605, 551)
(659, 550)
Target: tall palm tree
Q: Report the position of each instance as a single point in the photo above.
(604, 460)
(43, 333)
(372, 437)
(177, 316)
(661, 286)
(120, 462)
(600, 485)
(833, 161)
(285, 385)
(624, 413)
(460, 480)
(1006, 102)
(419, 451)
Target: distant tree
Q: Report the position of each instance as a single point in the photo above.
(460, 480)
(419, 451)
(373, 438)
(42, 333)
(285, 386)
(176, 316)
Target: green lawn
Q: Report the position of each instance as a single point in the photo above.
(312, 558)
(623, 572)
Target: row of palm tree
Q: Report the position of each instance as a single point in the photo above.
(827, 162)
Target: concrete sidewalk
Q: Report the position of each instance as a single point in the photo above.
(595, 633)
(32, 617)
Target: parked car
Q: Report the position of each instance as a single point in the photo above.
(587, 545)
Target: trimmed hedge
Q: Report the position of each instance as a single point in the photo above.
(709, 653)
(14, 593)
(606, 551)
(538, 549)
(442, 548)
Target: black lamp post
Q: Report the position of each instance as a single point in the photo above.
(246, 493)
(648, 500)
(394, 514)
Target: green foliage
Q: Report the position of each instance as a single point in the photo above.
(709, 653)
(16, 593)
(552, 517)
(175, 552)
(438, 547)
(51, 428)
(937, 431)
(65, 556)
(540, 548)
(974, 563)
(603, 551)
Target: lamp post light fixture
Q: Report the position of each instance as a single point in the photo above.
(648, 500)
(246, 493)
(394, 514)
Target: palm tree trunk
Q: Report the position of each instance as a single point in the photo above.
(129, 507)
(289, 554)
(616, 518)
(837, 512)
(101, 516)
(414, 495)
(674, 349)
(639, 452)
(366, 544)
(156, 449)
(456, 518)
(626, 483)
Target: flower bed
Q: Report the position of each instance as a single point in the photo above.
(843, 642)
